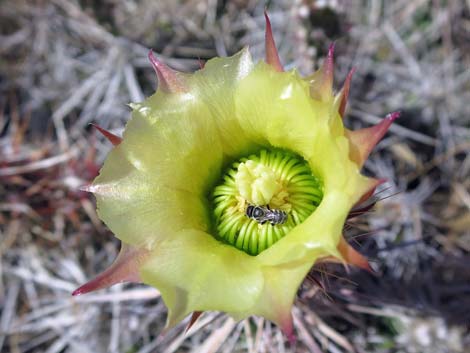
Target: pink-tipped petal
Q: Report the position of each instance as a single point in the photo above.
(124, 269)
(328, 67)
(114, 139)
(342, 96)
(364, 140)
(321, 81)
(272, 56)
(352, 257)
(373, 184)
(195, 315)
(168, 79)
(287, 328)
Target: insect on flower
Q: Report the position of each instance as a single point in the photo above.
(208, 149)
(265, 214)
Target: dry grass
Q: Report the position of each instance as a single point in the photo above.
(67, 63)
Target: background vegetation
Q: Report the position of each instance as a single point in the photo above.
(66, 63)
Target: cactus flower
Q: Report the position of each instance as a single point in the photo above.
(209, 146)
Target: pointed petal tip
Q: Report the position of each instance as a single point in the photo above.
(375, 182)
(331, 50)
(124, 269)
(344, 93)
(167, 79)
(154, 61)
(77, 292)
(364, 265)
(272, 55)
(287, 327)
(321, 81)
(84, 289)
(369, 269)
(372, 185)
(291, 337)
(393, 116)
(364, 140)
(266, 17)
(353, 257)
(194, 317)
(380, 181)
(350, 76)
(114, 139)
(329, 62)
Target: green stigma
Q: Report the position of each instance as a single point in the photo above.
(262, 197)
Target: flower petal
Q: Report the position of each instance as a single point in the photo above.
(281, 113)
(272, 56)
(139, 210)
(124, 269)
(168, 79)
(351, 256)
(176, 144)
(341, 99)
(216, 85)
(195, 272)
(280, 288)
(114, 139)
(364, 140)
(321, 81)
(315, 238)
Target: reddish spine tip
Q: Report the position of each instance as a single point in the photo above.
(287, 327)
(86, 288)
(369, 193)
(195, 315)
(292, 338)
(326, 85)
(167, 78)
(369, 269)
(393, 116)
(114, 139)
(154, 61)
(353, 257)
(349, 77)
(381, 181)
(331, 51)
(345, 92)
(364, 140)
(124, 269)
(272, 55)
(77, 292)
(329, 63)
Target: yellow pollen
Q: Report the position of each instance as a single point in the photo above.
(256, 183)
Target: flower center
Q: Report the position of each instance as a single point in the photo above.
(262, 197)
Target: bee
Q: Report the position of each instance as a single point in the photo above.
(263, 214)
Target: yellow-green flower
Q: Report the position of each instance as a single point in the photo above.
(206, 150)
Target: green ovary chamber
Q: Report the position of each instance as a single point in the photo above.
(276, 181)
